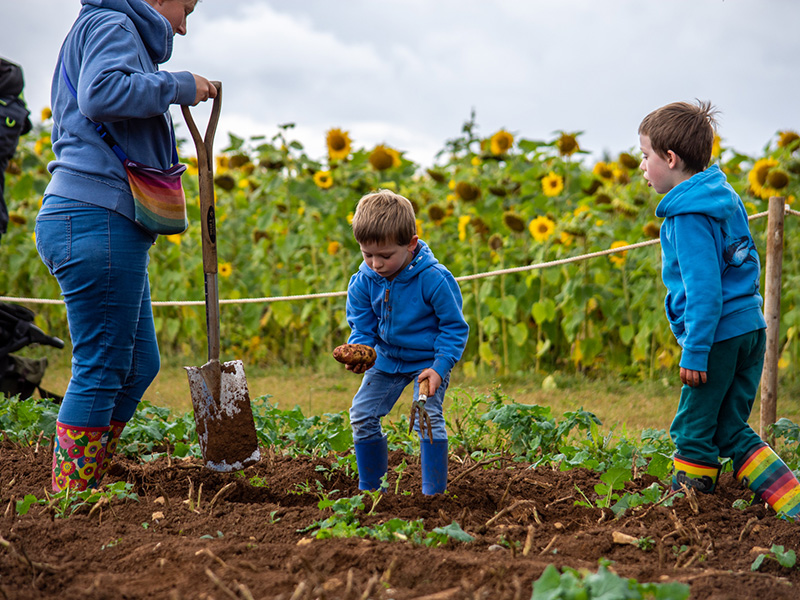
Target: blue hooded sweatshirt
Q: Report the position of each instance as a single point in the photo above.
(413, 321)
(710, 266)
(111, 57)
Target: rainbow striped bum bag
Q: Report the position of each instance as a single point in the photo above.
(158, 198)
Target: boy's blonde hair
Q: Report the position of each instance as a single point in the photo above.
(686, 129)
(384, 217)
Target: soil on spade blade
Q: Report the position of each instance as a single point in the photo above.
(239, 537)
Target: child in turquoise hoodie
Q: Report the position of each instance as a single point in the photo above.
(711, 270)
(406, 305)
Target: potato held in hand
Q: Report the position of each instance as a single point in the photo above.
(355, 354)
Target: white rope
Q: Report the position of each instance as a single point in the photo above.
(543, 265)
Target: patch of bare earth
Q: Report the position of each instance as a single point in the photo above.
(237, 540)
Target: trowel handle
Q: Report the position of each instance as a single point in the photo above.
(424, 389)
(208, 222)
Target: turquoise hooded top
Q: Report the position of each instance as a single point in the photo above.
(111, 56)
(710, 266)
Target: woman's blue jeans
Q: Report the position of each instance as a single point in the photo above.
(99, 259)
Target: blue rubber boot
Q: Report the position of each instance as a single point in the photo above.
(433, 456)
(372, 458)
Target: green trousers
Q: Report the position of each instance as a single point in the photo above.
(712, 418)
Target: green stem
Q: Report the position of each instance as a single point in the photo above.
(503, 320)
(477, 299)
(538, 325)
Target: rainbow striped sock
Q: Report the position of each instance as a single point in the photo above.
(700, 475)
(767, 475)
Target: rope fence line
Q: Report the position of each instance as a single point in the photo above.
(533, 267)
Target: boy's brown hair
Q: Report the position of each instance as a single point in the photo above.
(686, 129)
(384, 217)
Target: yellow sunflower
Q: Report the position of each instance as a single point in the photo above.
(567, 144)
(323, 179)
(580, 210)
(618, 258)
(175, 239)
(758, 178)
(41, 145)
(651, 230)
(333, 247)
(501, 142)
(463, 221)
(338, 142)
(383, 157)
(436, 213)
(46, 113)
(552, 184)
(628, 161)
(467, 191)
(603, 170)
(513, 221)
(787, 138)
(716, 147)
(541, 228)
(225, 269)
(778, 179)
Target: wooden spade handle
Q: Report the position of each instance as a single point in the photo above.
(208, 224)
(205, 168)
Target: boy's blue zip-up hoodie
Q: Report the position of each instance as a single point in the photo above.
(710, 266)
(414, 321)
(111, 57)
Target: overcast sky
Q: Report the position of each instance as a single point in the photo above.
(408, 72)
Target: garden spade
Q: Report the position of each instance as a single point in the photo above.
(220, 398)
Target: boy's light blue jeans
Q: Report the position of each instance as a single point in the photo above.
(99, 259)
(377, 396)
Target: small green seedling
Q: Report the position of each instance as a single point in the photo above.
(741, 504)
(399, 469)
(645, 543)
(785, 558)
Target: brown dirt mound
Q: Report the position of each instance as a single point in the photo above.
(245, 542)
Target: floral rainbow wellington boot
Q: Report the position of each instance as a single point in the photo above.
(110, 446)
(76, 457)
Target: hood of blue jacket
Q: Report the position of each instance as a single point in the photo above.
(155, 30)
(707, 193)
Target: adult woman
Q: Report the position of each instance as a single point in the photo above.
(107, 72)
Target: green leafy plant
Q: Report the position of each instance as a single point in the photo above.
(68, 501)
(645, 543)
(785, 558)
(344, 522)
(602, 585)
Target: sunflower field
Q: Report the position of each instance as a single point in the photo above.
(488, 203)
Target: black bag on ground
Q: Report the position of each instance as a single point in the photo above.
(18, 374)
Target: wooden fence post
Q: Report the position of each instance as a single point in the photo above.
(772, 314)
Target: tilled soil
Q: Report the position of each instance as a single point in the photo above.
(244, 542)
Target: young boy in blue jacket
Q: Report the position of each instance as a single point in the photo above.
(406, 305)
(711, 270)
